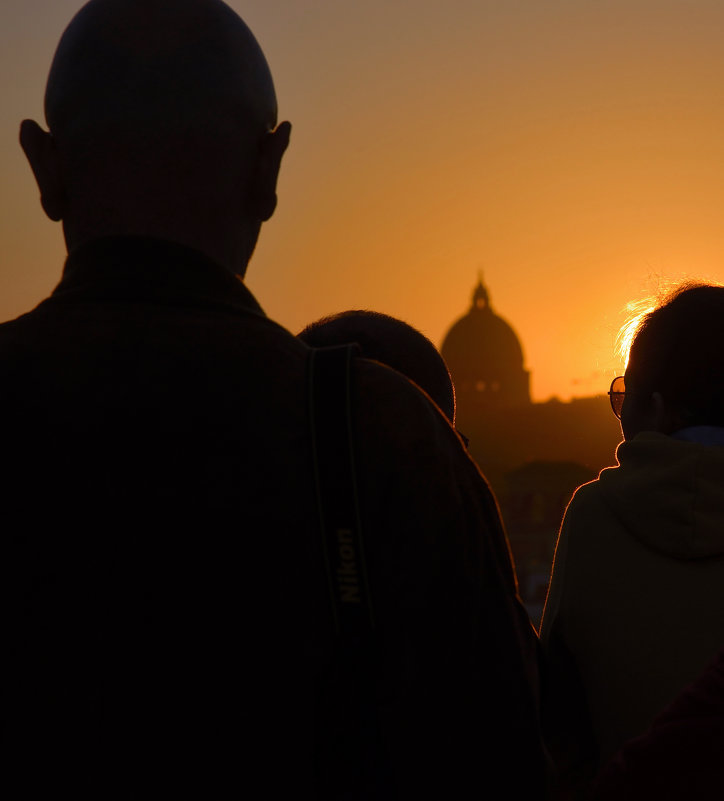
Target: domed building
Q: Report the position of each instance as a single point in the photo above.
(485, 359)
(534, 455)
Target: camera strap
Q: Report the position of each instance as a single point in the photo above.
(351, 760)
(336, 486)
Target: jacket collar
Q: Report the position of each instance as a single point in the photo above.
(142, 268)
(704, 435)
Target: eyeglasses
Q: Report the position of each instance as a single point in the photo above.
(617, 394)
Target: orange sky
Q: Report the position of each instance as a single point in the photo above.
(571, 149)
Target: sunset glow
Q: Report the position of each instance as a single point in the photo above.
(636, 311)
(572, 151)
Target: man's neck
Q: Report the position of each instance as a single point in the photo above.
(231, 252)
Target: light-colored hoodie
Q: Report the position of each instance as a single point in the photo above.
(635, 608)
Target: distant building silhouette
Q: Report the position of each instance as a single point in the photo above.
(485, 359)
(533, 454)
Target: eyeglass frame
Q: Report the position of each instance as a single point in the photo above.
(617, 397)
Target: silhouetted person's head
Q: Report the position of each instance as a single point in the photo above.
(161, 117)
(675, 373)
(392, 342)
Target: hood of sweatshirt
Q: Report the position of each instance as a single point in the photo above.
(669, 494)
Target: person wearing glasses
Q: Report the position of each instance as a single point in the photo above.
(635, 607)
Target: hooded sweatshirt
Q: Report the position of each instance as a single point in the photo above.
(635, 608)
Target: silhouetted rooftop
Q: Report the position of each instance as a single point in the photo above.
(483, 352)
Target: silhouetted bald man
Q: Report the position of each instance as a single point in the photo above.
(166, 622)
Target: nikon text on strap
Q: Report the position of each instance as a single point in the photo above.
(336, 485)
(351, 760)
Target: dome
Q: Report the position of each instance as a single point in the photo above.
(484, 355)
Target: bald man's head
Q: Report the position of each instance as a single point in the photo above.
(145, 63)
(163, 111)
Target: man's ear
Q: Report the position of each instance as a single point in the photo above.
(39, 148)
(264, 190)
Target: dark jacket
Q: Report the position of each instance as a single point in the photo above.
(680, 757)
(165, 613)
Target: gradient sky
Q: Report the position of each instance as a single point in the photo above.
(571, 149)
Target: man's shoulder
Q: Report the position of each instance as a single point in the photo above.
(21, 330)
(402, 409)
(407, 437)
